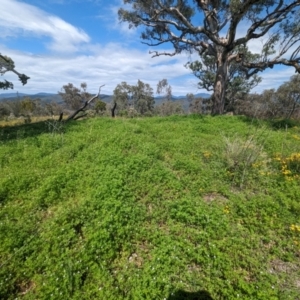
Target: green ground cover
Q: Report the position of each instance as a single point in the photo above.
(183, 207)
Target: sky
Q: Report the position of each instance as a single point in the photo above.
(56, 42)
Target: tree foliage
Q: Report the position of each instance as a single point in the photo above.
(52, 108)
(163, 87)
(210, 27)
(288, 95)
(169, 108)
(25, 106)
(197, 105)
(122, 95)
(8, 65)
(238, 82)
(28, 105)
(137, 97)
(100, 106)
(74, 97)
(281, 103)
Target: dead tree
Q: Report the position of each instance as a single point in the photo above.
(74, 116)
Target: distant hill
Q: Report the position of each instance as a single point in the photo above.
(202, 95)
(11, 95)
(48, 97)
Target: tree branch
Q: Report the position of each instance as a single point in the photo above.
(22, 77)
(82, 108)
(269, 21)
(261, 66)
(161, 53)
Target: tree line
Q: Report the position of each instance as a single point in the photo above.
(129, 100)
(138, 100)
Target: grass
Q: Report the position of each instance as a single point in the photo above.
(22, 120)
(183, 207)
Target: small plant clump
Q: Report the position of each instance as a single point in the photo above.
(245, 159)
(289, 165)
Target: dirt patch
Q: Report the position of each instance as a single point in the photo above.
(194, 268)
(25, 287)
(210, 197)
(279, 266)
(135, 259)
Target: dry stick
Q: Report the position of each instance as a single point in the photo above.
(86, 103)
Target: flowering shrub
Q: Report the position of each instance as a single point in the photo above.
(289, 166)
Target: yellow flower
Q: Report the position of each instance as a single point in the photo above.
(286, 172)
(226, 210)
(207, 154)
(256, 165)
(294, 227)
(296, 137)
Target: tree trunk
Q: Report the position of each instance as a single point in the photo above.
(113, 109)
(218, 97)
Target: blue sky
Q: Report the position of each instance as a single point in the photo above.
(60, 41)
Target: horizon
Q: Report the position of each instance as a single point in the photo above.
(56, 42)
(49, 93)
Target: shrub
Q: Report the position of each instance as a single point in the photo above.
(243, 158)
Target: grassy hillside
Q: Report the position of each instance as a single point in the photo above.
(156, 208)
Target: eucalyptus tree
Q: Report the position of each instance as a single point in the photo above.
(167, 107)
(142, 97)
(100, 107)
(122, 95)
(8, 65)
(218, 28)
(163, 87)
(238, 84)
(197, 105)
(288, 95)
(138, 97)
(73, 96)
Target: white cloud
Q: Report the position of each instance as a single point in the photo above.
(110, 66)
(31, 20)
(273, 78)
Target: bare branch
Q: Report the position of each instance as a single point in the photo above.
(254, 68)
(82, 108)
(268, 22)
(161, 53)
(79, 117)
(295, 53)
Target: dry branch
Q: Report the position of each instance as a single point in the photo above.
(74, 116)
